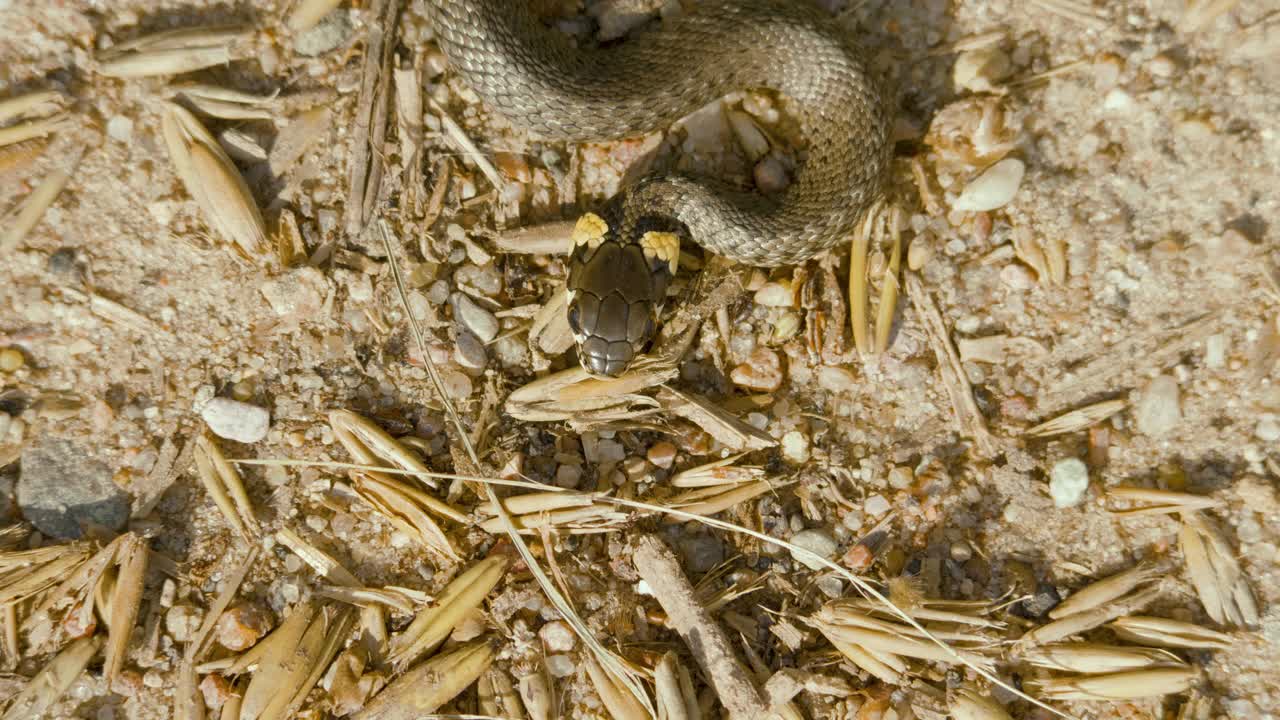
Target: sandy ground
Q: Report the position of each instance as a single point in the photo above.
(1152, 155)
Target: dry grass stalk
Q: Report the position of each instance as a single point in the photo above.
(712, 500)
(433, 624)
(213, 181)
(538, 502)
(1200, 13)
(931, 610)
(368, 138)
(1215, 573)
(133, 557)
(725, 427)
(40, 103)
(719, 472)
(1077, 419)
(27, 573)
(408, 83)
(225, 104)
(889, 284)
(1093, 658)
(969, 704)
(549, 331)
(431, 684)
(620, 703)
(174, 52)
(323, 563)
(23, 217)
(1163, 632)
(308, 13)
(1130, 685)
(371, 445)
(1151, 501)
(1087, 619)
(224, 485)
(858, 277)
(53, 680)
(43, 127)
(1108, 589)
(836, 614)
(972, 422)
(869, 662)
(461, 142)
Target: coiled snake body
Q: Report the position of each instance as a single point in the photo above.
(624, 256)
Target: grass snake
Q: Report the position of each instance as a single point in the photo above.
(624, 256)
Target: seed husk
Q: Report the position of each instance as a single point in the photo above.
(431, 684)
(1130, 685)
(1078, 419)
(1094, 658)
(1163, 632)
(1087, 619)
(1150, 501)
(432, 625)
(213, 181)
(1106, 590)
(620, 703)
(1213, 570)
(126, 600)
(174, 52)
(53, 680)
(224, 485)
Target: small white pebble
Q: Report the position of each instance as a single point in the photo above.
(561, 666)
(1268, 430)
(235, 420)
(1158, 410)
(876, 505)
(1068, 482)
(557, 636)
(120, 128)
(818, 542)
(795, 447)
(776, 294)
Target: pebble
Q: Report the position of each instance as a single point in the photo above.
(961, 551)
(1017, 277)
(901, 477)
(299, 294)
(701, 553)
(561, 666)
(994, 188)
(11, 360)
(329, 34)
(662, 454)
(1068, 481)
(795, 447)
(568, 476)
(853, 520)
(778, 293)
(836, 379)
(234, 420)
(1044, 599)
(182, 622)
(1162, 66)
(1158, 410)
(242, 625)
(818, 542)
(63, 486)
(771, 175)
(919, 253)
(558, 637)
(876, 505)
(469, 352)
(456, 383)
(706, 129)
(216, 690)
(479, 321)
(762, 371)
(120, 128)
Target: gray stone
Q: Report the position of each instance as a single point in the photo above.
(62, 487)
(329, 34)
(701, 553)
(818, 542)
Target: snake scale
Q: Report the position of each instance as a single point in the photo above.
(624, 257)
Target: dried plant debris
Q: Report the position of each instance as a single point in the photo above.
(175, 52)
(1129, 685)
(1153, 501)
(1077, 419)
(54, 679)
(1215, 573)
(213, 181)
(1163, 632)
(23, 217)
(225, 487)
(431, 684)
(434, 623)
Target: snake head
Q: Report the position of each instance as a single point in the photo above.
(617, 283)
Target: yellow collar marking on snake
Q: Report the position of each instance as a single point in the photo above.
(664, 246)
(590, 231)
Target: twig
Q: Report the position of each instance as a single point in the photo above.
(966, 408)
(706, 639)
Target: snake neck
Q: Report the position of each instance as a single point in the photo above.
(539, 81)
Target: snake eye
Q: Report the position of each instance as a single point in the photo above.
(575, 319)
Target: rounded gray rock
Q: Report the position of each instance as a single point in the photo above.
(63, 487)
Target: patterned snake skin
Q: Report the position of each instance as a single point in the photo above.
(539, 81)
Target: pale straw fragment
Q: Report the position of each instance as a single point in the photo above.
(1105, 590)
(1095, 658)
(1129, 685)
(174, 52)
(1163, 632)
